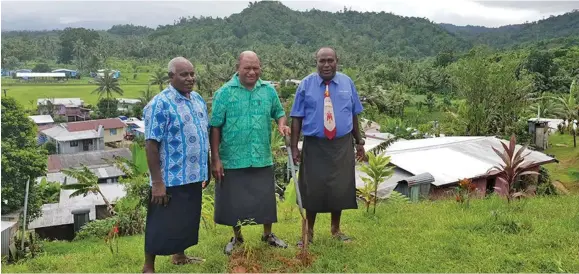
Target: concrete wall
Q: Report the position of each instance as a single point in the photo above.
(66, 148)
(119, 136)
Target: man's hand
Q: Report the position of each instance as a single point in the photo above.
(296, 155)
(284, 130)
(217, 170)
(159, 194)
(360, 153)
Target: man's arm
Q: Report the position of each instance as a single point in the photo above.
(356, 129)
(155, 130)
(296, 130)
(298, 112)
(357, 108)
(154, 160)
(216, 165)
(218, 113)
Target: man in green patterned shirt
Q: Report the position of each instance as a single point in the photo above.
(241, 157)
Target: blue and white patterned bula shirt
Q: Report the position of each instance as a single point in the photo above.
(181, 126)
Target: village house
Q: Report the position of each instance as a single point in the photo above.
(57, 220)
(70, 108)
(114, 128)
(126, 105)
(135, 127)
(82, 136)
(42, 120)
(437, 165)
(68, 142)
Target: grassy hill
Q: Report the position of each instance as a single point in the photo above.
(534, 235)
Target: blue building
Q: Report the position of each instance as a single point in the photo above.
(68, 72)
(100, 73)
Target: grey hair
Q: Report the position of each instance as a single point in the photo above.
(173, 63)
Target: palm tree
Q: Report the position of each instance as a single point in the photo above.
(159, 78)
(107, 84)
(569, 105)
(87, 183)
(79, 50)
(146, 95)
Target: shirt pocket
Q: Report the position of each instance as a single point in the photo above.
(261, 107)
(345, 97)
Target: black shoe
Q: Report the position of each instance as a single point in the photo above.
(232, 243)
(273, 240)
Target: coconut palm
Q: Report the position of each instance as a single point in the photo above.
(159, 78)
(107, 85)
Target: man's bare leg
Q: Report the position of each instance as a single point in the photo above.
(335, 229)
(149, 266)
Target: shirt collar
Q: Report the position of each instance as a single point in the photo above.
(321, 81)
(235, 81)
(178, 96)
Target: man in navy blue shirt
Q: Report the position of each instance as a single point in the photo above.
(326, 109)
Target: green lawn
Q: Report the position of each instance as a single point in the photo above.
(568, 156)
(28, 94)
(534, 235)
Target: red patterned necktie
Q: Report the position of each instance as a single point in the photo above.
(329, 118)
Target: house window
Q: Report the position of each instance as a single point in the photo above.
(113, 131)
(73, 143)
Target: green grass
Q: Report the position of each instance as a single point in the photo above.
(561, 145)
(533, 235)
(28, 94)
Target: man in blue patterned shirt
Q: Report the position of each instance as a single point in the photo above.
(177, 145)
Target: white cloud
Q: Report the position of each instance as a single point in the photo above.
(154, 13)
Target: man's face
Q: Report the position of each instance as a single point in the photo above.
(327, 63)
(249, 70)
(183, 79)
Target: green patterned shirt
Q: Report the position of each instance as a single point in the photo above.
(245, 119)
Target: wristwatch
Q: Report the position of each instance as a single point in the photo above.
(361, 142)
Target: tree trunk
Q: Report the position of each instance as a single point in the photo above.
(109, 206)
(375, 197)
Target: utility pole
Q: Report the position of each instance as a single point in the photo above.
(25, 211)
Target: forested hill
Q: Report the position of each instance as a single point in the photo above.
(275, 30)
(272, 23)
(562, 26)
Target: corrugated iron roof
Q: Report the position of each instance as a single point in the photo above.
(93, 124)
(41, 119)
(450, 159)
(72, 102)
(423, 178)
(61, 213)
(58, 162)
(62, 134)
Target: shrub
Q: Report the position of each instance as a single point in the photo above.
(96, 229)
(131, 216)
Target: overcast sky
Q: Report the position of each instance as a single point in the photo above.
(39, 15)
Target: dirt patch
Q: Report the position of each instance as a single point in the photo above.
(560, 187)
(240, 262)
